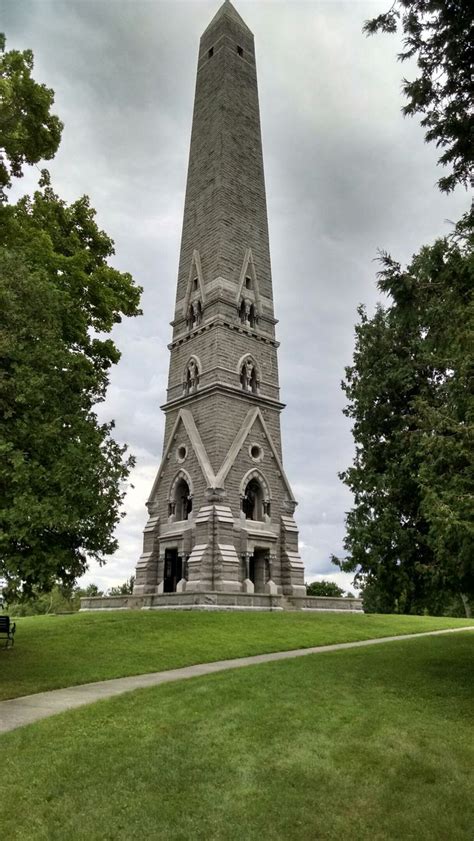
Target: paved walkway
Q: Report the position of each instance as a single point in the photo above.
(20, 711)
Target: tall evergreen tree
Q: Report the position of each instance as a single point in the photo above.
(411, 531)
(410, 534)
(439, 35)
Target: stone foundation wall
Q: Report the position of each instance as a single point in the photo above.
(221, 601)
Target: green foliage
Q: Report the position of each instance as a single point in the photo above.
(58, 600)
(28, 131)
(125, 589)
(62, 475)
(438, 33)
(323, 588)
(437, 603)
(410, 534)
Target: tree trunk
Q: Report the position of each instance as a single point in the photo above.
(467, 606)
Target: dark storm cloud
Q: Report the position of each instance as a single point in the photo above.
(345, 173)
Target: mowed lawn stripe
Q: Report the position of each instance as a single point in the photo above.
(52, 652)
(18, 712)
(372, 743)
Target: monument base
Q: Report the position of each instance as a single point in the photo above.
(212, 600)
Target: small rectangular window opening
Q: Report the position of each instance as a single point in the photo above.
(195, 283)
(240, 51)
(211, 52)
(248, 282)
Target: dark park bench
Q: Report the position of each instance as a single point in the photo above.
(7, 630)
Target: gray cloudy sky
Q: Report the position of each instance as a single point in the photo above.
(346, 174)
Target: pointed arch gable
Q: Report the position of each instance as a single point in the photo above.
(195, 270)
(238, 442)
(185, 417)
(248, 270)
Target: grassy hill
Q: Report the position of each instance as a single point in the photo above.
(56, 651)
(373, 744)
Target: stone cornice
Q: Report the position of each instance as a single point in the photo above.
(222, 322)
(239, 394)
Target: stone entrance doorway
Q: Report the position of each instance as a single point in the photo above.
(258, 569)
(173, 570)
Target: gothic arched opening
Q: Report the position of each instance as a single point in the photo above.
(253, 503)
(182, 500)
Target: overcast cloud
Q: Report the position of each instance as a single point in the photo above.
(346, 174)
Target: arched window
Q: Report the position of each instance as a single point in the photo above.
(253, 502)
(255, 496)
(248, 376)
(180, 502)
(183, 500)
(191, 378)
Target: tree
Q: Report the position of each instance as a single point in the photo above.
(323, 588)
(438, 33)
(90, 590)
(62, 474)
(410, 534)
(57, 600)
(28, 131)
(125, 589)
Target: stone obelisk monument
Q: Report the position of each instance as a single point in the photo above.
(221, 508)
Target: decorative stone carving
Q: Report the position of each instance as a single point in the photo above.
(192, 377)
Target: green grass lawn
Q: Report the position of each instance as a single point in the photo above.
(375, 743)
(56, 651)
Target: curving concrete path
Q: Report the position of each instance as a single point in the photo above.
(17, 712)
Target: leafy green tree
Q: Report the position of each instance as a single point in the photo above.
(410, 534)
(125, 589)
(90, 590)
(438, 34)
(41, 604)
(28, 131)
(323, 588)
(62, 475)
(57, 600)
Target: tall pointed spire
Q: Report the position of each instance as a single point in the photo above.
(225, 203)
(229, 11)
(221, 508)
